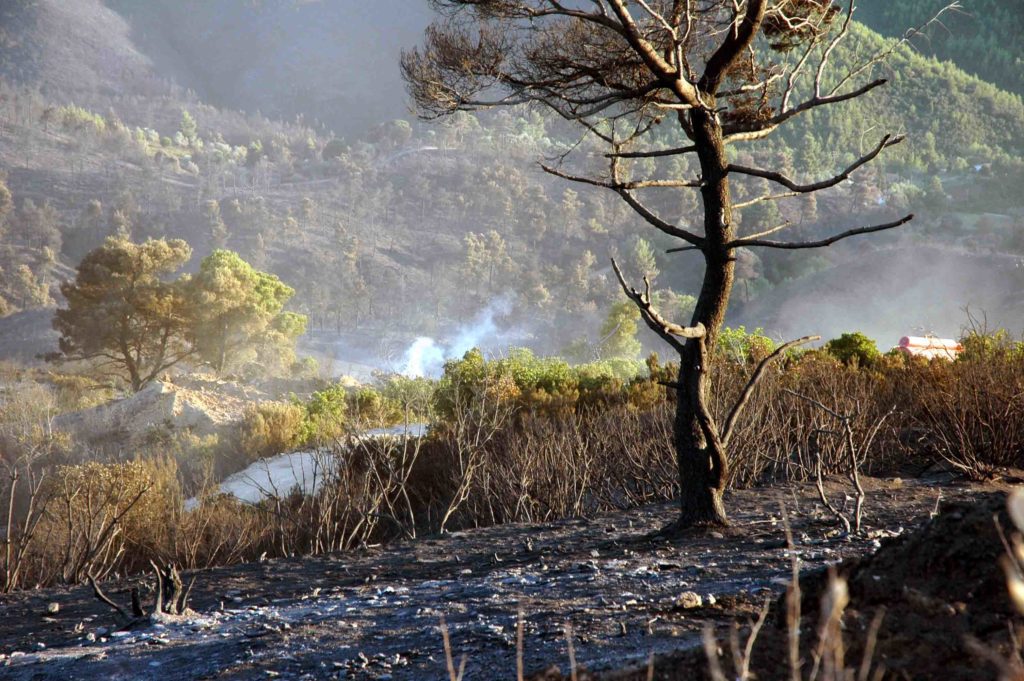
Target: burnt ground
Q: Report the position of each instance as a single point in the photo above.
(937, 596)
(374, 613)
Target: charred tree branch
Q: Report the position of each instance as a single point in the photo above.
(822, 243)
(779, 178)
(755, 378)
(669, 331)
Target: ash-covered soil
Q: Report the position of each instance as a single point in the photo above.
(374, 614)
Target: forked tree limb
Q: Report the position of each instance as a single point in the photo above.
(733, 46)
(623, 190)
(672, 77)
(670, 332)
(102, 597)
(755, 378)
(821, 243)
(774, 122)
(798, 188)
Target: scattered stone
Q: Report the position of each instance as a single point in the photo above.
(689, 600)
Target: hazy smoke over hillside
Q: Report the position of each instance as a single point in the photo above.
(426, 356)
(334, 61)
(893, 293)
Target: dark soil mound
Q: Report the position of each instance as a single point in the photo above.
(939, 586)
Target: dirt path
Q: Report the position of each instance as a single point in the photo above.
(374, 614)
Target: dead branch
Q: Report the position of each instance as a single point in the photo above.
(821, 243)
(854, 459)
(170, 598)
(755, 378)
(797, 188)
(669, 331)
(771, 124)
(102, 597)
(616, 186)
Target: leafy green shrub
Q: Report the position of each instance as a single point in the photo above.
(326, 415)
(982, 345)
(537, 384)
(412, 396)
(334, 411)
(531, 373)
(75, 118)
(370, 407)
(739, 346)
(854, 347)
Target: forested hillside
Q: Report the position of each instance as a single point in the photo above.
(429, 338)
(412, 228)
(983, 37)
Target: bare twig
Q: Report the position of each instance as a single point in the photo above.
(755, 378)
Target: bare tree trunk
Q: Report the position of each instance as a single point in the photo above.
(703, 464)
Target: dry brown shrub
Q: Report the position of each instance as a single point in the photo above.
(269, 428)
(498, 460)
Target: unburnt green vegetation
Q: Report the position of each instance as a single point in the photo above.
(127, 320)
(515, 439)
(175, 254)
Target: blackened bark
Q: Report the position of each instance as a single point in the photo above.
(701, 456)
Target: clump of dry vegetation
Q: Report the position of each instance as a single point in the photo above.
(520, 439)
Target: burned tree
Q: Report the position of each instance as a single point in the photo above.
(721, 72)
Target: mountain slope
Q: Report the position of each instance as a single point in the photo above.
(336, 62)
(375, 233)
(983, 38)
(68, 47)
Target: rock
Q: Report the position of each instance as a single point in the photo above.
(689, 600)
(53, 608)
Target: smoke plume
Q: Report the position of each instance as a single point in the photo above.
(426, 356)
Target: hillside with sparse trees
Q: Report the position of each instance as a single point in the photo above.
(535, 339)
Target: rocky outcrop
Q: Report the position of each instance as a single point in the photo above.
(159, 406)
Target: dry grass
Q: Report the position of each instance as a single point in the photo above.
(493, 462)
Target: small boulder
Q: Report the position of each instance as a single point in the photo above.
(689, 600)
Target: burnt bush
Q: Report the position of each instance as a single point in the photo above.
(521, 441)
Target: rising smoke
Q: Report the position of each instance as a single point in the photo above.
(426, 356)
